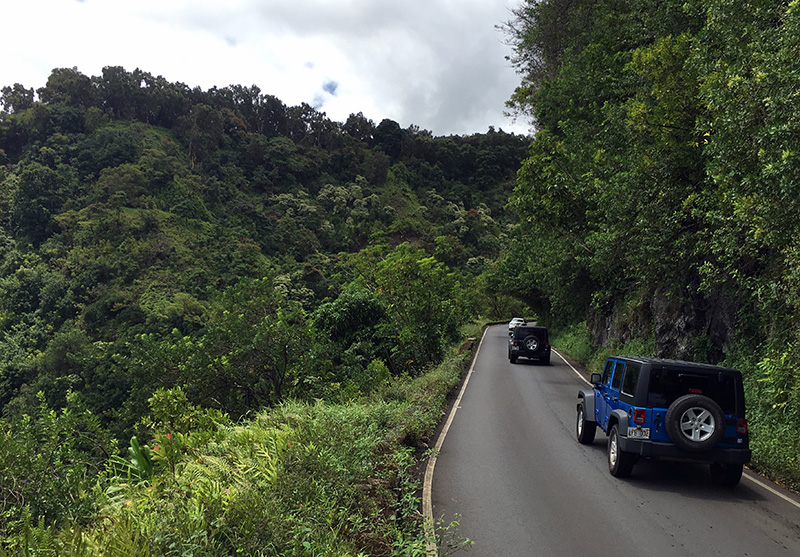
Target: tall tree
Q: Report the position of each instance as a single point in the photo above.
(68, 86)
(17, 98)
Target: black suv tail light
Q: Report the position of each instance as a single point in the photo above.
(639, 416)
(741, 426)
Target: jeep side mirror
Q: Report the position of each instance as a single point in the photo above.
(595, 379)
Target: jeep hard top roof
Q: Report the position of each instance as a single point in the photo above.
(677, 364)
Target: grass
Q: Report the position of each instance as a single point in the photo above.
(300, 479)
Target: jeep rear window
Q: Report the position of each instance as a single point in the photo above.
(522, 332)
(631, 379)
(617, 381)
(666, 385)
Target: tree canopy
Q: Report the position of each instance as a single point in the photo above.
(157, 236)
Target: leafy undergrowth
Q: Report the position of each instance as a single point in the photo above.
(299, 479)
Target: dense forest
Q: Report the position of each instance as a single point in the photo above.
(662, 190)
(147, 227)
(228, 325)
(173, 256)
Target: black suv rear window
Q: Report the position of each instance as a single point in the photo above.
(538, 332)
(668, 384)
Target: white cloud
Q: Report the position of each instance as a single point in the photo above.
(437, 64)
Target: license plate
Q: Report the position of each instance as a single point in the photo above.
(514, 348)
(639, 433)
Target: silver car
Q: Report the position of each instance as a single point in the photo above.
(515, 322)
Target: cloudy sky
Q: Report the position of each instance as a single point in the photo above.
(437, 64)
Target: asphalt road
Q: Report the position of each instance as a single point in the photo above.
(511, 472)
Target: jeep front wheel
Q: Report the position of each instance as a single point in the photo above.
(695, 422)
(584, 430)
(620, 463)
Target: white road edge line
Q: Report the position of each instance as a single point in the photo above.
(749, 476)
(427, 504)
(578, 373)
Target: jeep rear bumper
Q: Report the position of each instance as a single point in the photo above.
(669, 451)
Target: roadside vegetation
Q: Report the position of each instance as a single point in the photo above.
(299, 479)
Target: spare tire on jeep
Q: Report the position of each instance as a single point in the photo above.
(531, 343)
(695, 422)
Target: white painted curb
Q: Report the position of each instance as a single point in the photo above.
(427, 505)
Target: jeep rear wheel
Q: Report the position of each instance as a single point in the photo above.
(584, 430)
(531, 343)
(620, 463)
(545, 361)
(695, 422)
(726, 475)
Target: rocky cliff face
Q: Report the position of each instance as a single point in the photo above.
(683, 326)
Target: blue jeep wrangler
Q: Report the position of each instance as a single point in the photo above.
(667, 409)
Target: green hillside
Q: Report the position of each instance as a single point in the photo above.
(176, 261)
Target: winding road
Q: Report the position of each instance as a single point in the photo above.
(509, 470)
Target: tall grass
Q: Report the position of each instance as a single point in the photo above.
(773, 414)
(300, 479)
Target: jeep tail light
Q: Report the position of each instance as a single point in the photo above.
(741, 426)
(639, 416)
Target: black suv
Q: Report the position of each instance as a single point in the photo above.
(529, 342)
(667, 409)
